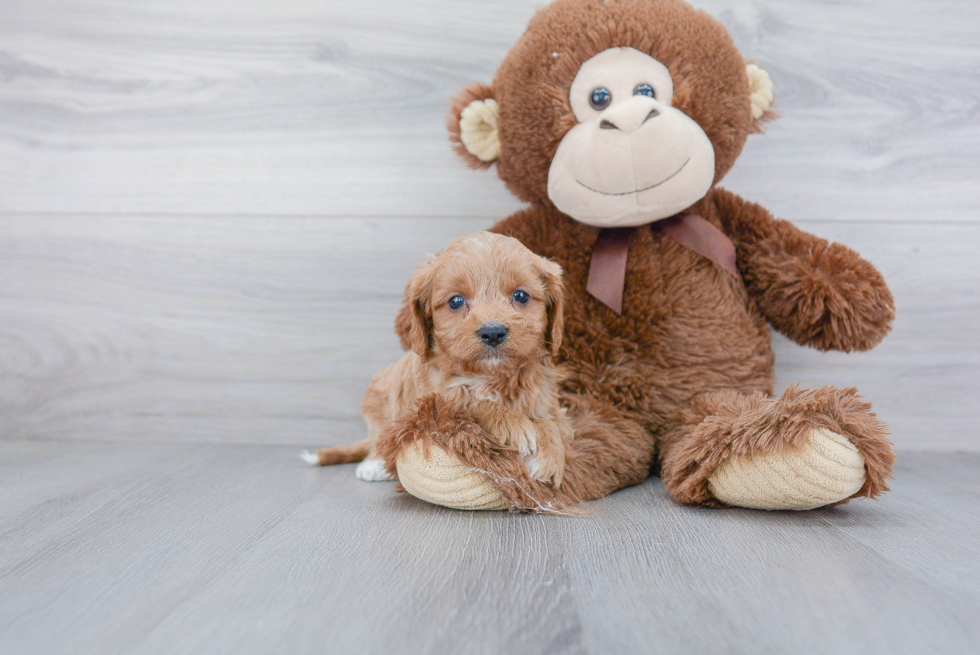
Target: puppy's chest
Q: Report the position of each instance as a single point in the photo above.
(468, 391)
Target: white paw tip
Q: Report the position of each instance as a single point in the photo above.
(309, 458)
(371, 470)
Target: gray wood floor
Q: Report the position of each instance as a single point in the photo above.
(209, 548)
(207, 214)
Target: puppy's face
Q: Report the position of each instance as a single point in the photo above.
(486, 302)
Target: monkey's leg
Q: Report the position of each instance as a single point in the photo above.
(445, 458)
(807, 449)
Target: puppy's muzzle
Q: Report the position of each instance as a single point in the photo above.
(492, 334)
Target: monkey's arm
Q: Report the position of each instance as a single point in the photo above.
(817, 293)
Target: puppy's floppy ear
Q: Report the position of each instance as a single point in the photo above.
(472, 124)
(403, 325)
(417, 312)
(554, 298)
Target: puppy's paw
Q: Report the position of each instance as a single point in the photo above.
(549, 470)
(521, 433)
(526, 442)
(372, 470)
(547, 464)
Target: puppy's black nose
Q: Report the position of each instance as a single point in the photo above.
(493, 334)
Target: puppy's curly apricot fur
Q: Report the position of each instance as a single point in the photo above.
(485, 320)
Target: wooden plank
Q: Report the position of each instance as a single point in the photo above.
(152, 548)
(669, 579)
(323, 108)
(263, 330)
(247, 550)
(931, 527)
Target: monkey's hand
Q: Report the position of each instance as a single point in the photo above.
(817, 293)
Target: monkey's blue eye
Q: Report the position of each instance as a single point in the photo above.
(521, 297)
(456, 302)
(644, 90)
(600, 98)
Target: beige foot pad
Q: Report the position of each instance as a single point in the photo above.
(443, 480)
(826, 470)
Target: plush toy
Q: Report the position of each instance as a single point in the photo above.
(615, 121)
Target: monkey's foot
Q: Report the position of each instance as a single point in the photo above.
(806, 449)
(827, 469)
(441, 479)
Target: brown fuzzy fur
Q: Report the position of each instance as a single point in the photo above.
(510, 390)
(531, 85)
(609, 452)
(743, 425)
(683, 377)
(817, 293)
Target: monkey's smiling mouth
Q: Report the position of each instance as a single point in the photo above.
(652, 186)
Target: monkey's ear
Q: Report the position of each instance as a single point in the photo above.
(760, 88)
(472, 124)
(554, 298)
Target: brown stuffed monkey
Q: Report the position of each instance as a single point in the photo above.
(615, 121)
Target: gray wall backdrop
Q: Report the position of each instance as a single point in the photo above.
(208, 210)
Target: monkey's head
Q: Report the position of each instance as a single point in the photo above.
(618, 112)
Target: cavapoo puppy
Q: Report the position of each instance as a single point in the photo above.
(486, 322)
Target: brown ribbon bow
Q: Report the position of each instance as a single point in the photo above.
(607, 272)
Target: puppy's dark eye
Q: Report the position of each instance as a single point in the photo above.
(456, 302)
(644, 90)
(521, 297)
(600, 98)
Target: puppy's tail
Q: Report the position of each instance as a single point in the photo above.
(352, 452)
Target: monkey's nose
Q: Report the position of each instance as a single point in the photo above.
(629, 115)
(492, 334)
(609, 125)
